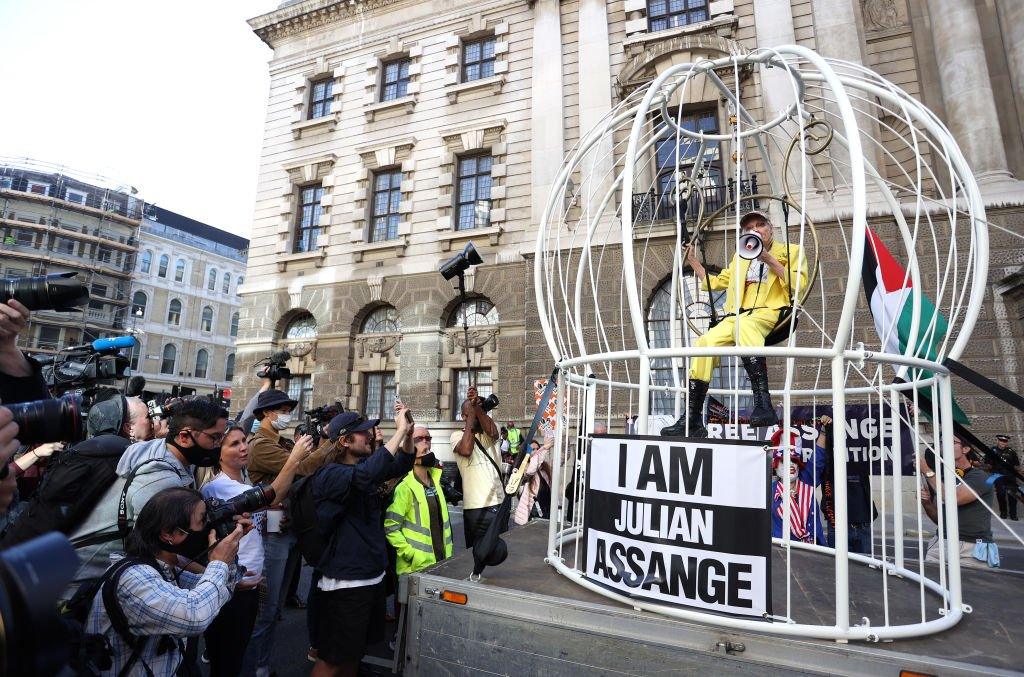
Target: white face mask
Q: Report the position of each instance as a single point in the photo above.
(282, 421)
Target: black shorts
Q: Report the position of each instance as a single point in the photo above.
(349, 620)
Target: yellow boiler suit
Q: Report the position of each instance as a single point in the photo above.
(750, 327)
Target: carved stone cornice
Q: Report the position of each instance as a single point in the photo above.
(478, 337)
(654, 47)
(378, 344)
(310, 15)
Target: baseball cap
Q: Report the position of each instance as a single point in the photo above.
(1003, 438)
(751, 214)
(348, 422)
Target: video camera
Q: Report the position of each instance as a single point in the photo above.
(220, 513)
(316, 420)
(99, 362)
(274, 367)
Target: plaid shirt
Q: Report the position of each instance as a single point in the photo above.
(156, 606)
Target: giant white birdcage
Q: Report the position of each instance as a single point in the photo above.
(849, 150)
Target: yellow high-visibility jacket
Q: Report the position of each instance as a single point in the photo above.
(774, 292)
(407, 524)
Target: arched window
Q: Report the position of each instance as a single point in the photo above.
(162, 268)
(476, 312)
(659, 335)
(179, 271)
(139, 302)
(383, 320)
(207, 320)
(174, 312)
(170, 356)
(226, 285)
(302, 327)
(146, 262)
(202, 362)
(241, 279)
(229, 368)
(212, 281)
(234, 324)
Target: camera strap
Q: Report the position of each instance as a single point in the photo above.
(480, 446)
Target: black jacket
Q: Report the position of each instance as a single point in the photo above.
(17, 389)
(349, 512)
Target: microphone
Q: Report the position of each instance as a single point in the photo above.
(105, 345)
(136, 384)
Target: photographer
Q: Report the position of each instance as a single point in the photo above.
(21, 378)
(228, 636)
(194, 436)
(159, 603)
(476, 453)
(350, 603)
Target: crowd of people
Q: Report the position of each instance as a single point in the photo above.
(205, 519)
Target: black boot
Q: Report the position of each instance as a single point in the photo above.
(763, 413)
(698, 391)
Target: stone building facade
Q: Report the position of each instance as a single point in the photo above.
(399, 130)
(55, 220)
(185, 303)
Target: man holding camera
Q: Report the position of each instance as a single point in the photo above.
(194, 436)
(350, 602)
(477, 456)
(756, 292)
(21, 378)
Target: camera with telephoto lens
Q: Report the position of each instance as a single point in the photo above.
(451, 493)
(33, 576)
(274, 368)
(54, 420)
(60, 292)
(490, 402)
(220, 513)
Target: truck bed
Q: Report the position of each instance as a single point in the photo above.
(525, 618)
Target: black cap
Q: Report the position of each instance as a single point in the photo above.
(1003, 438)
(108, 417)
(270, 399)
(348, 422)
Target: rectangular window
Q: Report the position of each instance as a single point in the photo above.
(394, 79)
(63, 245)
(6, 182)
(101, 291)
(38, 188)
(484, 387)
(48, 337)
(103, 255)
(665, 14)
(300, 389)
(473, 193)
(76, 196)
(26, 238)
(320, 97)
(478, 59)
(307, 225)
(387, 193)
(677, 151)
(379, 395)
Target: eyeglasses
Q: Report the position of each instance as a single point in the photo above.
(214, 437)
(422, 438)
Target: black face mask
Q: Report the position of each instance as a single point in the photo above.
(194, 545)
(428, 460)
(197, 455)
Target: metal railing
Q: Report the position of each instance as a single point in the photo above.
(70, 192)
(653, 206)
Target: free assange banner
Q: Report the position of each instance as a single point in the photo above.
(680, 522)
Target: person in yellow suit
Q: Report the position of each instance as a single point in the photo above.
(765, 286)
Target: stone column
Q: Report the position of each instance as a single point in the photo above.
(1011, 19)
(548, 116)
(967, 87)
(595, 76)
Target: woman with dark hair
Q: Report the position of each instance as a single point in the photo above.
(228, 636)
(153, 603)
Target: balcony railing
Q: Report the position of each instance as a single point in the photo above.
(69, 192)
(652, 206)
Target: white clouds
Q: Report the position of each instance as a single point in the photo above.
(168, 97)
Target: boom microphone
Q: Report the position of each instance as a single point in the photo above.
(105, 345)
(136, 385)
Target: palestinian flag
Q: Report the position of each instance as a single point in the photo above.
(890, 295)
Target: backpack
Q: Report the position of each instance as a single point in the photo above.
(71, 488)
(91, 654)
(302, 520)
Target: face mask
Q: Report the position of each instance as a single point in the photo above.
(281, 422)
(197, 455)
(255, 426)
(428, 460)
(194, 545)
